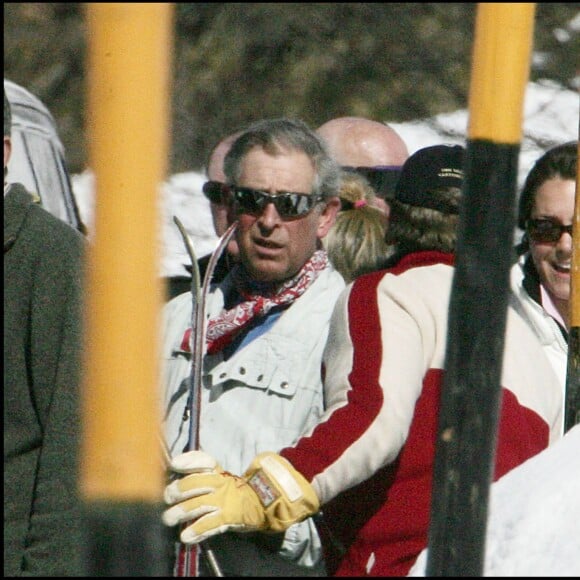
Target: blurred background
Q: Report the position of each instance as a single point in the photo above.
(237, 62)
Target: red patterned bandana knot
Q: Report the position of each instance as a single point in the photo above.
(259, 299)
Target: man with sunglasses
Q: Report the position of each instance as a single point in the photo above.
(541, 278)
(267, 326)
(372, 149)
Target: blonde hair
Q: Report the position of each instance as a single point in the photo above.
(356, 242)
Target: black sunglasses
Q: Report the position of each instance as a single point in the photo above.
(382, 178)
(288, 205)
(544, 230)
(217, 192)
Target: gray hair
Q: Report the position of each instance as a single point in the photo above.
(276, 135)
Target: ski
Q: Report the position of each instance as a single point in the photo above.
(199, 297)
(187, 556)
(470, 400)
(199, 333)
(195, 277)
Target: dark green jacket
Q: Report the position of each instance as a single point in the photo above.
(43, 260)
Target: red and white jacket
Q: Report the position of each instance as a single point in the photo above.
(370, 458)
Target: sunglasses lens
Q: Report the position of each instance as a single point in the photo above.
(288, 205)
(216, 191)
(382, 178)
(384, 181)
(544, 231)
(246, 200)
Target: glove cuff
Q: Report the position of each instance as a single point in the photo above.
(284, 493)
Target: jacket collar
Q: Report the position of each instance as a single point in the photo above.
(403, 261)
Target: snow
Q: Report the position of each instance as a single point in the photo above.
(534, 511)
(533, 526)
(192, 208)
(550, 117)
(179, 196)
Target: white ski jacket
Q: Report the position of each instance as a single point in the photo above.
(262, 398)
(544, 326)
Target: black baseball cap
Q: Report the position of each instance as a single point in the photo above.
(427, 169)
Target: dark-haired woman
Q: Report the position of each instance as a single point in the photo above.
(541, 278)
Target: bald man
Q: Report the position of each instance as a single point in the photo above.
(371, 148)
(215, 172)
(219, 212)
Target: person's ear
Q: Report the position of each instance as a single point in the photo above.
(328, 216)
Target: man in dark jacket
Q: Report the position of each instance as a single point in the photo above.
(42, 346)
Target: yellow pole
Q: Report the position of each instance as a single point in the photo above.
(572, 407)
(575, 290)
(471, 394)
(500, 71)
(129, 65)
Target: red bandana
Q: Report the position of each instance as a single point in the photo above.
(259, 300)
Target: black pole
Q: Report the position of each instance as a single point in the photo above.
(126, 539)
(470, 400)
(471, 391)
(572, 406)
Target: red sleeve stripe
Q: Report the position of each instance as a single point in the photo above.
(328, 441)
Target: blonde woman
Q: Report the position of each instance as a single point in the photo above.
(356, 242)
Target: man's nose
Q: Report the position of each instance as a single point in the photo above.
(269, 216)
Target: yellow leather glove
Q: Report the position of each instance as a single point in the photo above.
(271, 496)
